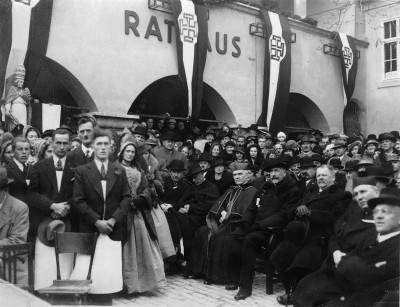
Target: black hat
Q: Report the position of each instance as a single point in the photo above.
(388, 196)
(49, 133)
(141, 131)
(205, 156)
(219, 162)
(240, 149)
(377, 172)
(317, 159)
(351, 166)
(274, 162)
(307, 162)
(386, 136)
(169, 135)
(335, 163)
(177, 165)
(395, 134)
(194, 169)
(295, 160)
(308, 139)
(230, 143)
(253, 127)
(369, 180)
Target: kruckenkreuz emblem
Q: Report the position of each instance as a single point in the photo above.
(277, 47)
(347, 57)
(188, 28)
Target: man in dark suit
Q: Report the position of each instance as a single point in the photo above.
(51, 184)
(18, 169)
(366, 274)
(102, 198)
(84, 153)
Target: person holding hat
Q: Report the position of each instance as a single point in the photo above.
(102, 199)
(218, 261)
(279, 196)
(367, 274)
(167, 152)
(302, 252)
(14, 226)
(220, 176)
(83, 154)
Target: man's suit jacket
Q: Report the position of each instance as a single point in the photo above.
(78, 157)
(18, 188)
(44, 190)
(89, 201)
(14, 221)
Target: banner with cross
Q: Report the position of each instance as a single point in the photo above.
(349, 63)
(277, 71)
(191, 31)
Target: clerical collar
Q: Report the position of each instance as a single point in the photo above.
(385, 237)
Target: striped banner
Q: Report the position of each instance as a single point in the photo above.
(349, 63)
(24, 33)
(191, 32)
(277, 71)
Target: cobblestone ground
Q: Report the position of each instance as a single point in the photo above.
(192, 292)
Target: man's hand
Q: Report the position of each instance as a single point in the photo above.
(337, 257)
(103, 226)
(165, 207)
(61, 209)
(111, 222)
(302, 210)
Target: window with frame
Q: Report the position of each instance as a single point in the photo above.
(391, 52)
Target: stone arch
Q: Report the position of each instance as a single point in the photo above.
(168, 94)
(302, 112)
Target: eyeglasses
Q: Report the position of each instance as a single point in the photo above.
(384, 212)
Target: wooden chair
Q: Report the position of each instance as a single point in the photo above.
(10, 258)
(78, 243)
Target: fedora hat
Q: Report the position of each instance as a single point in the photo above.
(392, 157)
(307, 162)
(365, 162)
(307, 139)
(219, 162)
(205, 156)
(339, 143)
(388, 196)
(141, 131)
(335, 163)
(377, 172)
(386, 136)
(169, 135)
(4, 180)
(194, 169)
(47, 227)
(142, 149)
(177, 165)
(317, 159)
(274, 162)
(351, 166)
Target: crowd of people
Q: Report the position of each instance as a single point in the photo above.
(169, 198)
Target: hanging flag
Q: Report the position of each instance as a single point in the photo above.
(277, 71)
(191, 31)
(349, 62)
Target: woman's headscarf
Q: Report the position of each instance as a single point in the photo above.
(39, 148)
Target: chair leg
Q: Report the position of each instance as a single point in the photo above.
(269, 278)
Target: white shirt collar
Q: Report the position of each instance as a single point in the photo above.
(85, 149)
(382, 238)
(99, 163)
(55, 160)
(19, 164)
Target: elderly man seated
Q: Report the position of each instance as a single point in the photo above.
(369, 273)
(304, 248)
(14, 225)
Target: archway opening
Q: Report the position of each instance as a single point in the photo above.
(303, 114)
(168, 95)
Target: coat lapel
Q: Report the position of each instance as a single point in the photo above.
(67, 175)
(111, 177)
(50, 172)
(94, 177)
(17, 172)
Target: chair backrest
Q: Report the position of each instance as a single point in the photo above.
(74, 242)
(10, 255)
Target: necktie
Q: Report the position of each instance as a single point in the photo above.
(25, 170)
(103, 172)
(59, 166)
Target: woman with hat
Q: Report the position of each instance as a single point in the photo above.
(354, 149)
(220, 176)
(240, 157)
(156, 187)
(42, 149)
(143, 268)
